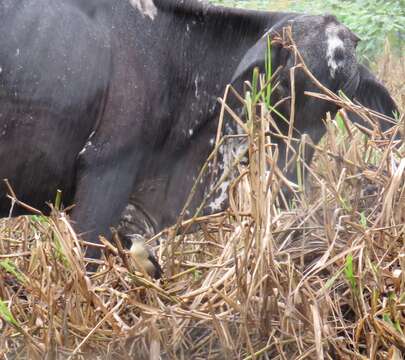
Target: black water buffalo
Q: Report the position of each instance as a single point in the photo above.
(114, 107)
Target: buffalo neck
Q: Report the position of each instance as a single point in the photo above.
(196, 48)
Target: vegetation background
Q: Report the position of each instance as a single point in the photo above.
(373, 20)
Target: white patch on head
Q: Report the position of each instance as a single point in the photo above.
(146, 7)
(127, 217)
(334, 42)
(130, 207)
(1, 69)
(190, 132)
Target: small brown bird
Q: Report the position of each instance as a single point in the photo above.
(144, 258)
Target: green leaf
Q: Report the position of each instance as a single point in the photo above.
(10, 267)
(340, 124)
(331, 281)
(6, 314)
(363, 220)
(349, 273)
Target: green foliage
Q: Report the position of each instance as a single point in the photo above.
(40, 219)
(10, 267)
(341, 124)
(58, 199)
(331, 280)
(349, 272)
(197, 275)
(268, 74)
(6, 314)
(373, 21)
(395, 325)
(363, 220)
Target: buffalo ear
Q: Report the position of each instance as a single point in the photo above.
(372, 94)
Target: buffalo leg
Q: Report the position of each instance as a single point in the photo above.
(103, 190)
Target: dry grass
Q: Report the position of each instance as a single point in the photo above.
(324, 278)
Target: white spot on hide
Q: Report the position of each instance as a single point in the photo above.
(88, 144)
(85, 147)
(220, 197)
(196, 86)
(146, 7)
(231, 150)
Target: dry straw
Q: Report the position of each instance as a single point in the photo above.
(322, 276)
